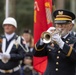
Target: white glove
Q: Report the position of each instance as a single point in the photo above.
(51, 29)
(41, 41)
(5, 57)
(57, 38)
(1, 55)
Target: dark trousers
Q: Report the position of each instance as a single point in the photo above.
(14, 73)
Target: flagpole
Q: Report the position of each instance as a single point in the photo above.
(7, 9)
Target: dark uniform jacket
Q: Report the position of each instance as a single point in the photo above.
(60, 61)
(16, 54)
(73, 33)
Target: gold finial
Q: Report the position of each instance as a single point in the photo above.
(16, 44)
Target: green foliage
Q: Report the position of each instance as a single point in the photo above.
(1, 15)
(67, 4)
(24, 14)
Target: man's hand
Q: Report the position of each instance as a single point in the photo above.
(4, 57)
(51, 30)
(57, 38)
(1, 55)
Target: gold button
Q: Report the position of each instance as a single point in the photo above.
(56, 69)
(57, 57)
(58, 51)
(67, 42)
(49, 49)
(57, 63)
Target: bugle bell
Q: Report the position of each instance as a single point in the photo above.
(46, 37)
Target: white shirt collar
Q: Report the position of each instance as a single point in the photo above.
(70, 31)
(66, 35)
(9, 36)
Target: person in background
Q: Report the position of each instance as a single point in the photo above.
(11, 49)
(27, 36)
(27, 64)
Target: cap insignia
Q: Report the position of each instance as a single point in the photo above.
(60, 12)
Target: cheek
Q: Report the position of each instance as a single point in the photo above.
(68, 27)
(6, 29)
(25, 36)
(28, 38)
(65, 27)
(11, 29)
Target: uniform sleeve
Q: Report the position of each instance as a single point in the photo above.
(40, 49)
(19, 54)
(70, 51)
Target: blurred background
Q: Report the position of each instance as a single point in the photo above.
(22, 11)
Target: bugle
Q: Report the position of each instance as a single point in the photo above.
(47, 36)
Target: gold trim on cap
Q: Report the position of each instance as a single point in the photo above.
(39, 49)
(63, 19)
(64, 16)
(70, 51)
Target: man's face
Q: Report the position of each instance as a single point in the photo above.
(9, 29)
(71, 25)
(64, 28)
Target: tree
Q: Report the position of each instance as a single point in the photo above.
(24, 14)
(12, 7)
(60, 4)
(2, 15)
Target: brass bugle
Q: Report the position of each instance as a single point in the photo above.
(47, 36)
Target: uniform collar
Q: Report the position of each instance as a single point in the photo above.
(66, 36)
(8, 37)
(72, 33)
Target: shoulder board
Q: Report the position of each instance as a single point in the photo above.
(72, 39)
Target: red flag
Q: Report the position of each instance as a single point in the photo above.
(40, 64)
(42, 21)
(42, 17)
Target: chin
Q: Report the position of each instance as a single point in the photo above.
(8, 32)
